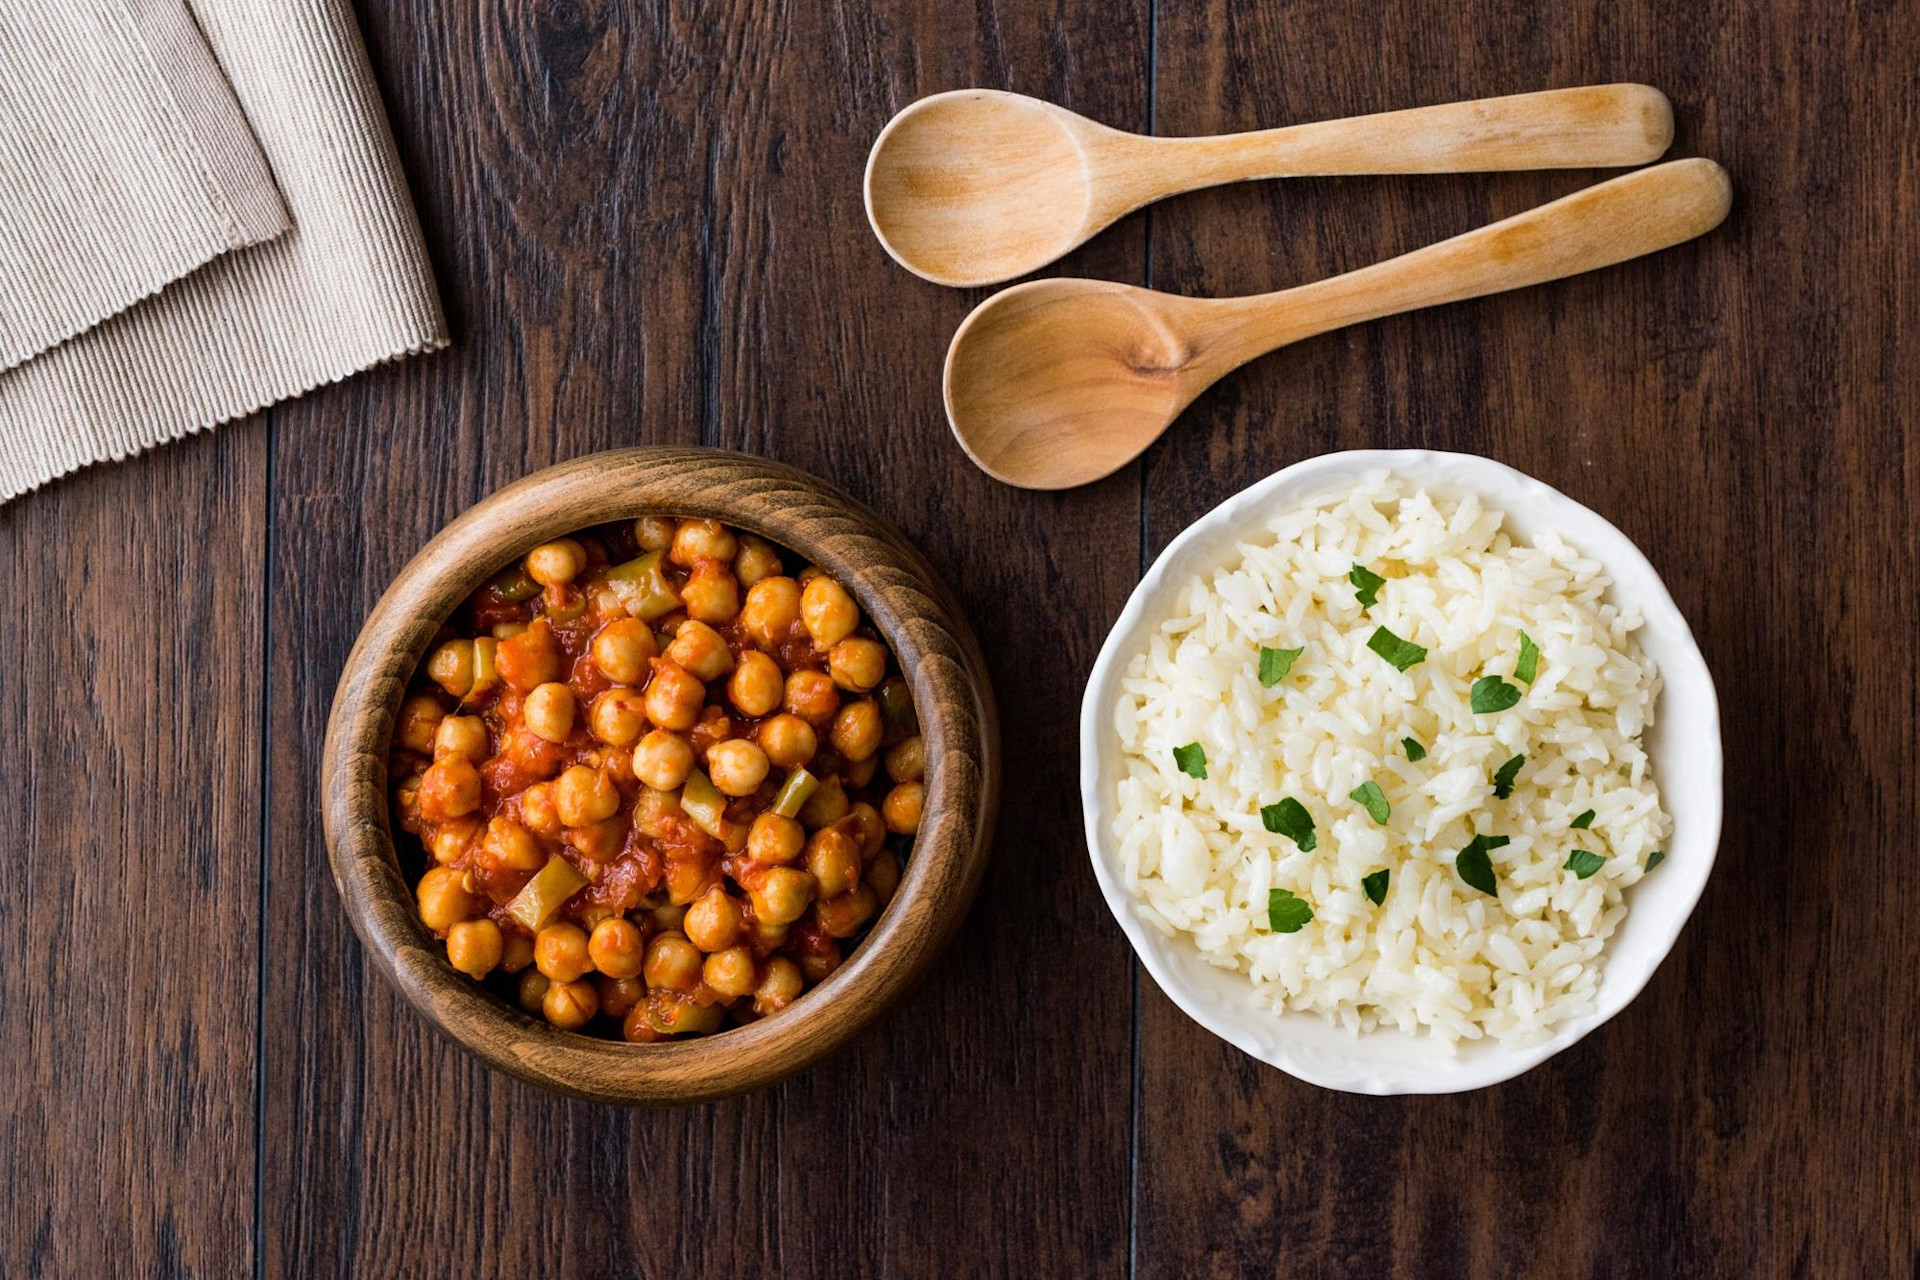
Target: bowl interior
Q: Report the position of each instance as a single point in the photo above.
(1683, 745)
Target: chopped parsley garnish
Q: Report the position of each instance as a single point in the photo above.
(1491, 694)
(1286, 913)
(1275, 663)
(1191, 760)
(1655, 858)
(1584, 864)
(1375, 886)
(1401, 653)
(1367, 584)
(1475, 867)
(1582, 822)
(1504, 776)
(1290, 818)
(1369, 794)
(1529, 664)
(1415, 752)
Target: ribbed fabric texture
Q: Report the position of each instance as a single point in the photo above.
(347, 286)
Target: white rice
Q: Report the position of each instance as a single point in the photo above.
(1438, 954)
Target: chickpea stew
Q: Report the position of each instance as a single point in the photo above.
(661, 781)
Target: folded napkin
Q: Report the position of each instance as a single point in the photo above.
(201, 212)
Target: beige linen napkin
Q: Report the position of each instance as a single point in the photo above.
(142, 99)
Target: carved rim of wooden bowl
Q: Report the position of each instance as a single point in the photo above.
(916, 614)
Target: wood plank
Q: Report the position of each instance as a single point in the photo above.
(132, 623)
(648, 225)
(1739, 407)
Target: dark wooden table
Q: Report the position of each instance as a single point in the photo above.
(646, 218)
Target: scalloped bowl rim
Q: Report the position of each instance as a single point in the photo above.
(1684, 746)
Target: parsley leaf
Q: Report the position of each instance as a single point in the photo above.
(1491, 694)
(1655, 858)
(1415, 752)
(1375, 886)
(1401, 653)
(1191, 760)
(1582, 822)
(1529, 664)
(1584, 864)
(1290, 818)
(1275, 663)
(1368, 583)
(1369, 794)
(1475, 867)
(1503, 779)
(1286, 913)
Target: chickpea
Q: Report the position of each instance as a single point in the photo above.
(902, 807)
(583, 796)
(731, 972)
(451, 667)
(883, 877)
(769, 938)
(548, 711)
(772, 607)
(825, 806)
(621, 649)
(538, 812)
(464, 736)
(663, 760)
(775, 841)
(675, 1014)
(817, 966)
(674, 695)
(864, 823)
(700, 649)
(811, 695)
(474, 947)
(858, 773)
(789, 741)
(450, 839)
(418, 719)
(449, 788)
(737, 767)
(907, 759)
(667, 917)
(710, 593)
(756, 560)
(857, 729)
(655, 533)
(654, 812)
(842, 917)
(616, 948)
(511, 847)
(673, 962)
(532, 990)
(554, 564)
(619, 995)
(697, 540)
(833, 860)
(713, 922)
(857, 663)
(757, 686)
(828, 611)
(779, 986)
(516, 952)
(570, 1005)
(782, 895)
(560, 951)
(445, 899)
(637, 1027)
(617, 716)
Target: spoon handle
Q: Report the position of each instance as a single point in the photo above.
(1622, 218)
(1593, 126)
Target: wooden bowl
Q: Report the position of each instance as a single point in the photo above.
(899, 592)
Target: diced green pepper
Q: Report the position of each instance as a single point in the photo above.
(540, 901)
(795, 792)
(705, 805)
(512, 583)
(642, 587)
(897, 717)
(486, 676)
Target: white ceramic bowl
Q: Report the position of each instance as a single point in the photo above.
(1683, 744)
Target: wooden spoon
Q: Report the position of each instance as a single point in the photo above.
(977, 186)
(1054, 383)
